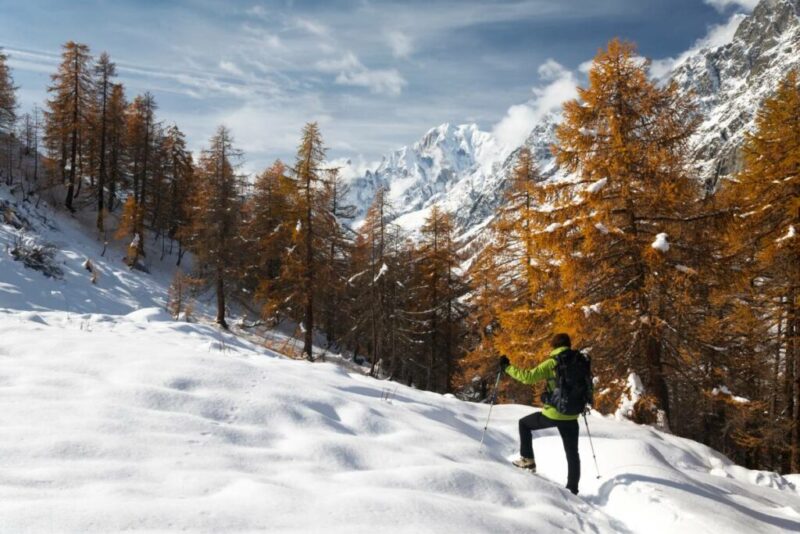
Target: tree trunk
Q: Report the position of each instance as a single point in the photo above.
(101, 179)
(221, 299)
(73, 157)
(793, 361)
(308, 344)
(655, 370)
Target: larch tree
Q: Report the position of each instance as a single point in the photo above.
(763, 242)
(115, 140)
(268, 230)
(140, 142)
(104, 70)
(338, 240)
(67, 114)
(302, 262)
(438, 309)
(178, 171)
(216, 239)
(8, 112)
(624, 228)
(8, 96)
(512, 277)
(373, 275)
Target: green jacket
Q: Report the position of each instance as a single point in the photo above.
(544, 371)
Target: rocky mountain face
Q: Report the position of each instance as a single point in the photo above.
(731, 81)
(440, 168)
(464, 170)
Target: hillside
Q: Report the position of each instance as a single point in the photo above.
(117, 418)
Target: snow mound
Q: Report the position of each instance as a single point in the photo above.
(148, 315)
(660, 243)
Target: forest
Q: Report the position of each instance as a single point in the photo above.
(696, 291)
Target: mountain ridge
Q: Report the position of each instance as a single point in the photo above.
(728, 81)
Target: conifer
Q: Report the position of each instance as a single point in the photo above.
(215, 234)
(116, 131)
(140, 141)
(763, 293)
(302, 263)
(104, 71)
(439, 311)
(267, 230)
(623, 230)
(68, 114)
(8, 96)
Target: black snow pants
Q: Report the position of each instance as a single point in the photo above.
(569, 437)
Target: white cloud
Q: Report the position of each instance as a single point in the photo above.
(720, 34)
(349, 61)
(722, 5)
(550, 70)
(716, 36)
(514, 128)
(312, 27)
(586, 66)
(257, 11)
(378, 81)
(350, 71)
(230, 67)
(351, 168)
(400, 43)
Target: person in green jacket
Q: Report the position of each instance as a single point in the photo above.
(549, 417)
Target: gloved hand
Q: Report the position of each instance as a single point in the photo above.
(503, 363)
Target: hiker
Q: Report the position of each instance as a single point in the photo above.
(569, 385)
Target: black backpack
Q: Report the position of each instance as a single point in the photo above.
(574, 383)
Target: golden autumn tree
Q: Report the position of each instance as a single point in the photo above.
(623, 226)
(439, 313)
(268, 229)
(66, 119)
(764, 292)
(510, 277)
(338, 240)
(140, 140)
(104, 71)
(8, 112)
(115, 140)
(8, 96)
(303, 265)
(215, 234)
(373, 273)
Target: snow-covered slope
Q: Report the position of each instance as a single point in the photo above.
(117, 289)
(115, 418)
(465, 170)
(135, 422)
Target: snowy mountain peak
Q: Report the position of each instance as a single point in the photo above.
(431, 170)
(730, 82)
(769, 19)
(464, 169)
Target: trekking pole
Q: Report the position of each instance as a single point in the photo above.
(494, 398)
(586, 422)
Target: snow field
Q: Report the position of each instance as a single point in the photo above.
(139, 423)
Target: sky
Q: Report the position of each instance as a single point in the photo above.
(376, 75)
